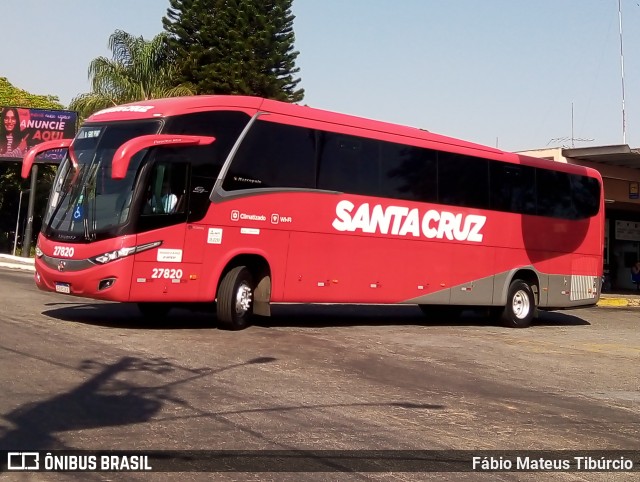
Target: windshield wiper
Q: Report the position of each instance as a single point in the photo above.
(89, 219)
(85, 218)
(73, 189)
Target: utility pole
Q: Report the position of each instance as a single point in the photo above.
(15, 236)
(624, 126)
(28, 232)
(572, 136)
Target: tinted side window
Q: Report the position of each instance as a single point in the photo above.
(586, 196)
(273, 156)
(554, 194)
(206, 161)
(513, 188)
(165, 196)
(463, 180)
(349, 164)
(409, 173)
(225, 126)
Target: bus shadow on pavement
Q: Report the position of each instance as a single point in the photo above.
(559, 318)
(126, 315)
(339, 315)
(321, 316)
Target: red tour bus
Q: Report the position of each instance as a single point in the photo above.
(239, 202)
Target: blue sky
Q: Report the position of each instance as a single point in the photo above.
(495, 72)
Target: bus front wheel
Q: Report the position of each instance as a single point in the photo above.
(520, 308)
(235, 299)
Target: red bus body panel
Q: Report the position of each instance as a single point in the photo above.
(312, 261)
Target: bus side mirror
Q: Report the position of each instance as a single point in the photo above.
(126, 151)
(30, 156)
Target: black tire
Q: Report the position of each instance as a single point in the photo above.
(521, 305)
(235, 299)
(440, 312)
(154, 311)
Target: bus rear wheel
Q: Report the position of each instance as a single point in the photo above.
(235, 299)
(521, 306)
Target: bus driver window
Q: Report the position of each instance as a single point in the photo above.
(164, 189)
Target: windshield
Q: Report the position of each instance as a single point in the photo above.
(87, 200)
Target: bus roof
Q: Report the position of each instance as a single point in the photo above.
(160, 108)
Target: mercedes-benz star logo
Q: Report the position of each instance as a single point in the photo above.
(62, 265)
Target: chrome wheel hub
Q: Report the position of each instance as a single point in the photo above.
(520, 304)
(243, 298)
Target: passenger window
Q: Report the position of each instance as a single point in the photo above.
(409, 173)
(586, 196)
(554, 194)
(350, 164)
(512, 188)
(274, 156)
(463, 180)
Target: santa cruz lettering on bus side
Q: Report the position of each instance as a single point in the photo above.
(402, 221)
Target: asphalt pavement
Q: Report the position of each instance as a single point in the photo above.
(82, 374)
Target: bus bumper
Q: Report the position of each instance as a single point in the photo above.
(111, 281)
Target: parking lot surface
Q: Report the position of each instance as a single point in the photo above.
(80, 374)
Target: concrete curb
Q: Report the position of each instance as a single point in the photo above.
(17, 259)
(17, 262)
(22, 267)
(618, 302)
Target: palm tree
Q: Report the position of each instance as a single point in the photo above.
(139, 70)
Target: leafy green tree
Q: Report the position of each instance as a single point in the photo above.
(235, 46)
(13, 96)
(139, 70)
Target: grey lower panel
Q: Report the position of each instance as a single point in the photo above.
(559, 289)
(473, 293)
(441, 297)
(572, 291)
(554, 291)
(476, 292)
(543, 296)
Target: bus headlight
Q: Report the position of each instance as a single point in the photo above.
(39, 252)
(123, 253)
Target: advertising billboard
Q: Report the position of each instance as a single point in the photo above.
(22, 128)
